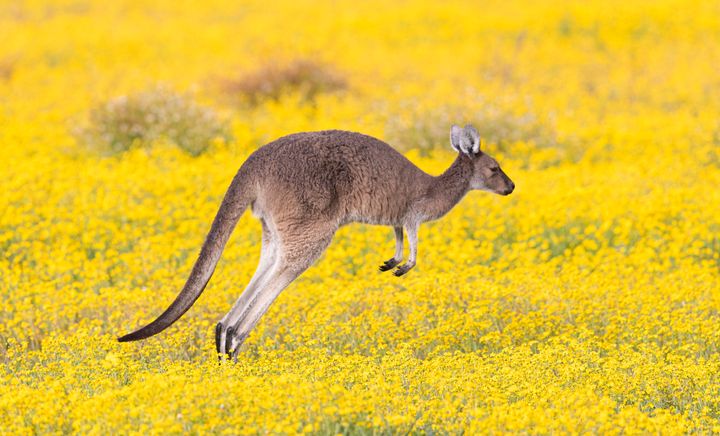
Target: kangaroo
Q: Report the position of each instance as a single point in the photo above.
(303, 187)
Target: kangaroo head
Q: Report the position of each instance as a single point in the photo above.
(487, 174)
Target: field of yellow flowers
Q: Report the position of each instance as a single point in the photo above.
(587, 301)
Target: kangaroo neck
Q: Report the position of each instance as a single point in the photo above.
(447, 189)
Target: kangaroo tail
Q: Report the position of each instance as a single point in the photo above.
(231, 209)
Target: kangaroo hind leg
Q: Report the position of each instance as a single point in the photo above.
(298, 251)
(268, 254)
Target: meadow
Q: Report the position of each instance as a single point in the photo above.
(585, 302)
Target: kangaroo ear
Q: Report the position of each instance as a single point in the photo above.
(465, 140)
(456, 134)
(474, 137)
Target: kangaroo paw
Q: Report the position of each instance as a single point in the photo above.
(403, 269)
(389, 264)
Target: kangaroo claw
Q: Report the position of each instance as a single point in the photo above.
(229, 335)
(389, 264)
(218, 338)
(402, 270)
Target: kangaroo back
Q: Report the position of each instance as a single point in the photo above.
(231, 209)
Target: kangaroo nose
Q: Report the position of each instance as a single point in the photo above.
(510, 189)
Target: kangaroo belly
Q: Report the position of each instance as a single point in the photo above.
(374, 220)
(375, 209)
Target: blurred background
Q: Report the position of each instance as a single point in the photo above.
(568, 78)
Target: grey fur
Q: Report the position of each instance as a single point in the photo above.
(474, 137)
(465, 140)
(303, 187)
(456, 139)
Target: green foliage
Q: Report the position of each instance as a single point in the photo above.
(138, 120)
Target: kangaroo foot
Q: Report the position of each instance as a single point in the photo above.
(228, 342)
(218, 339)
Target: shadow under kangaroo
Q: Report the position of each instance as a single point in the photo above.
(302, 188)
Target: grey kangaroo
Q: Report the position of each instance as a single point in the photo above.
(302, 188)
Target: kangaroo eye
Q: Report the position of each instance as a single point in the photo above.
(495, 169)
